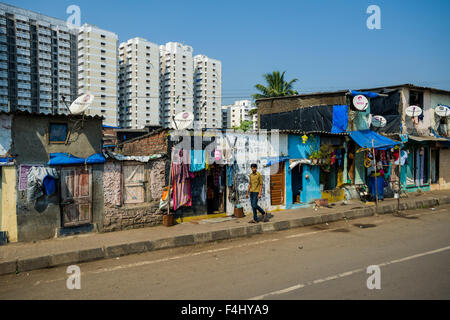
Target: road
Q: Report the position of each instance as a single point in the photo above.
(328, 261)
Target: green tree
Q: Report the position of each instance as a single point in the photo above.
(245, 125)
(276, 86)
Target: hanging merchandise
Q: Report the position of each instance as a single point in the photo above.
(304, 138)
(229, 176)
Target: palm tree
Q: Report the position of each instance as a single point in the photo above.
(276, 86)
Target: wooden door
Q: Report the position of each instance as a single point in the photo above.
(277, 184)
(133, 179)
(76, 195)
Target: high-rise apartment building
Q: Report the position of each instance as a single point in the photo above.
(38, 61)
(98, 70)
(208, 91)
(176, 81)
(139, 84)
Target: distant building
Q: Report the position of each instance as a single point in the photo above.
(38, 61)
(176, 81)
(97, 70)
(236, 113)
(139, 84)
(208, 91)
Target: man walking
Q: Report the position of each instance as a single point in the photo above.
(255, 188)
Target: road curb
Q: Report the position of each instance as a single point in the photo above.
(112, 251)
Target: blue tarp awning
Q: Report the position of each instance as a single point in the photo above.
(273, 160)
(340, 118)
(364, 139)
(368, 94)
(61, 158)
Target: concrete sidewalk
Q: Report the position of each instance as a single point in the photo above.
(19, 257)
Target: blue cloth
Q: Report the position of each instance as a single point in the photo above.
(364, 139)
(197, 160)
(380, 185)
(230, 176)
(6, 159)
(49, 185)
(60, 158)
(340, 119)
(365, 93)
(273, 160)
(255, 207)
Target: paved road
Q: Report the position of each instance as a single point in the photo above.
(318, 262)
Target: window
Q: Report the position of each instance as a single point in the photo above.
(416, 98)
(57, 132)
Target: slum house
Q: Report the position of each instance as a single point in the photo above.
(426, 152)
(340, 133)
(209, 175)
(134, 177)
(51, 175)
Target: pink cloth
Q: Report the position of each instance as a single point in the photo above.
(181, 180)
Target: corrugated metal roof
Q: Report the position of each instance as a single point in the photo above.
(60, 115)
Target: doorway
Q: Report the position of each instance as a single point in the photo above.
(296, 182)
(216, 189)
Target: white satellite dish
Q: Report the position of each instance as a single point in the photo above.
(81, 104)
(442, 111)
(182, 120)
(360, 102)
(378, 121)
(413, 111)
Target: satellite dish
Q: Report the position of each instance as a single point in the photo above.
(442, 111)
(413, 111)
(182, 120)
(378, 121)
(360, 102)
(81, 104)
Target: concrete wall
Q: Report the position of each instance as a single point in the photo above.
(8, 204)
(119, 216)
(444, 169)
(30, 141)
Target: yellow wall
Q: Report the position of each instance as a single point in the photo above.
(9, 196)
(334, 195)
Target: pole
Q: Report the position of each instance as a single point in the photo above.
(376, 180)
(399, 177)
(170, 178)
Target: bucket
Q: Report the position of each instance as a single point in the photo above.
(168, 220)
(239, 212)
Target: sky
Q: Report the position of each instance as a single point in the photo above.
(325, 44)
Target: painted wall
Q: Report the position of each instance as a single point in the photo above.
(9, 217)
(252, 148)
(311, 174)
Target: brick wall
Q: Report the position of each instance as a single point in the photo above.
(147, 145)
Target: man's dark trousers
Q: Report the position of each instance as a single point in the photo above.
(254, 202)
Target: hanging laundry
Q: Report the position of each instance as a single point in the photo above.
(35, 182)
(230, 179)
(197, 160)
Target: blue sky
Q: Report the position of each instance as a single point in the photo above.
(325, 44)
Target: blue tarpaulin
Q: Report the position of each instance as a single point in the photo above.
(6, 159)
(364, 139)
(340, 119)
(60, 158)
(368, 94)
(273, 160)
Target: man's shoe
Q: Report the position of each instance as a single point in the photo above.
(253, 221)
